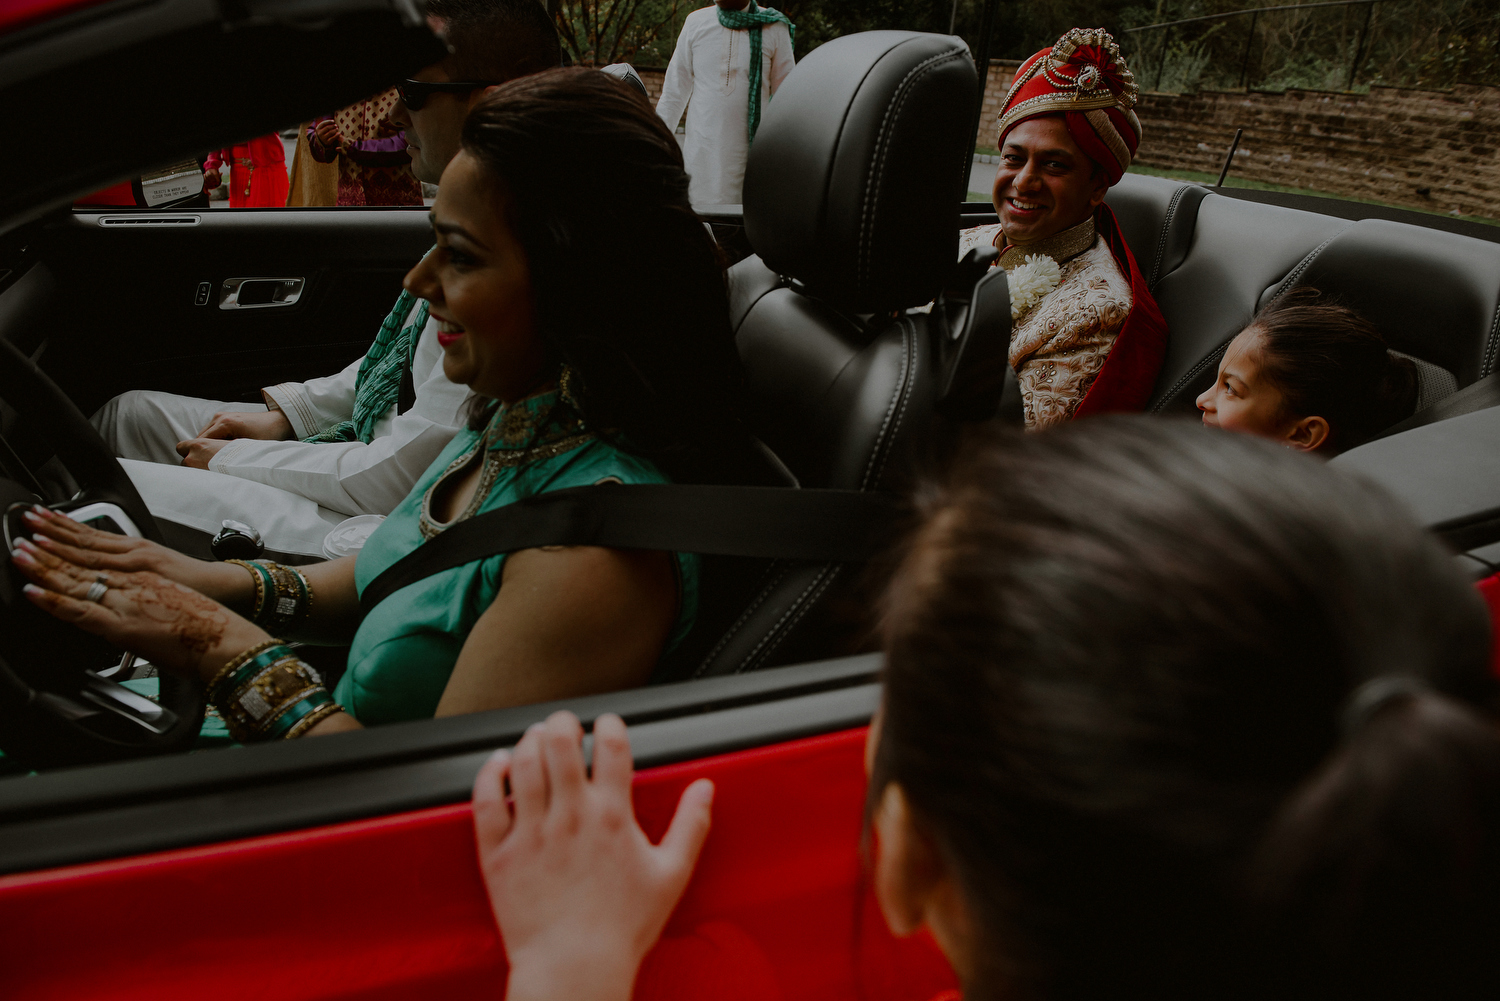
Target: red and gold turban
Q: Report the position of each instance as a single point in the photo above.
(1083, 78)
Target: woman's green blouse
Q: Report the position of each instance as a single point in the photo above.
(405, 650)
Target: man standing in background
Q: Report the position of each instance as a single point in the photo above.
(729, 60)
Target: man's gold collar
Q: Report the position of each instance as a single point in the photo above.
(1059, 246)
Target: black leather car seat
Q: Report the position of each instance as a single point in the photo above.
(850, 203)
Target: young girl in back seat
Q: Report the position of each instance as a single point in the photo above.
(1311, 374)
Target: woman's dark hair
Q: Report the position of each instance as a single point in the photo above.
(1330, 362)
(629, 286)
(1118, 658)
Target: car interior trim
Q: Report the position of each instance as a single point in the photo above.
(80, 790)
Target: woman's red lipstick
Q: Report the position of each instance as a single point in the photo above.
(446, 339)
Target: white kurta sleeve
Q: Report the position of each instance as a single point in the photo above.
(782, 59)
(317, 404)
(677, 85)
(354, 477)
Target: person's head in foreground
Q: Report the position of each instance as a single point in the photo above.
(1165, 715)
(491, 41)
(1178, 715)
(1067, 132)
(1311, 374)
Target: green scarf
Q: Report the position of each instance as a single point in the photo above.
(378, 384)
(757, 18)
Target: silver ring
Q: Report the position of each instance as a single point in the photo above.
(96, 589)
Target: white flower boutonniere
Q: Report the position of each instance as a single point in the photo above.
(1031, 281)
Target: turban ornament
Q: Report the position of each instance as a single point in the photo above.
(1084, 78)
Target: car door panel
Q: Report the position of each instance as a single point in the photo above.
(130, 310)
(80, 815)
(393, 907)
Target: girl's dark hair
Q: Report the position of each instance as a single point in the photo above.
(1117, 655)
(629, 286)
(1330, 362)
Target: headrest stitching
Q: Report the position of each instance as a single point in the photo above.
(896, 409)
(1161, 243)
(739, 623)
(1295, 275)
(1191, 374)
(877, 165)
(1493, 345)
(799, 608)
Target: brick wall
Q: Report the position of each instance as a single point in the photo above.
(1426, 149)
(1002, 71)
(652, 79)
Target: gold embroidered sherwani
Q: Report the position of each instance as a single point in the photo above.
(1058, 347)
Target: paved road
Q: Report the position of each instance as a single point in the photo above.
(982, 177)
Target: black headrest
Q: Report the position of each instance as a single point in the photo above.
(852, 183)
(1430, 294)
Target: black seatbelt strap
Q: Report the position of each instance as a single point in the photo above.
(833, 526)
(1476, 396)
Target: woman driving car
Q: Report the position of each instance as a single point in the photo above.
(621, 385)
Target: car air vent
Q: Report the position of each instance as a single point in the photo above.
(149, 220)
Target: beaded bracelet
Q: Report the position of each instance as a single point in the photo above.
(269, 693)
(283, 596)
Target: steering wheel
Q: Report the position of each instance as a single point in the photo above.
(55, 708)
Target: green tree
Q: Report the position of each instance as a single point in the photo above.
(600, 32)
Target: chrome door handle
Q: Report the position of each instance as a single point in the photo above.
(255, 293)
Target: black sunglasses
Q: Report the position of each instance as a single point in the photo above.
(414, 93)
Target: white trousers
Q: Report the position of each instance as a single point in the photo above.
(143, 428)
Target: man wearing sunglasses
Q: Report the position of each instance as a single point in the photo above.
(351, 443)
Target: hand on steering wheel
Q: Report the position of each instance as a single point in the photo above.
(46, 667)
(173, 626)
(93, 550)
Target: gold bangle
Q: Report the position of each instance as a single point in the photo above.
(237, 661)
(258, 702)
(312, 719)
(288, 600)
(260, 587)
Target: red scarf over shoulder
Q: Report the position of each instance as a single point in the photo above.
(1135, 359)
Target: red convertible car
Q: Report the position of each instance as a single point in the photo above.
(344, 867)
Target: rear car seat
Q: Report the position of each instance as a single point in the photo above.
(1239, 255)
(849, 206)
(1157, 218)
(1432, 295)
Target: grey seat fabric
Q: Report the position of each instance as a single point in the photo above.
(1240, 253)
(1433, 381)
(849, 206)
(1157, 218)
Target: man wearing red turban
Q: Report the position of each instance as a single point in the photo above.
(1088, 336)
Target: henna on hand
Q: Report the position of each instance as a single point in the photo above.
(198, 622)
(169, 623)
